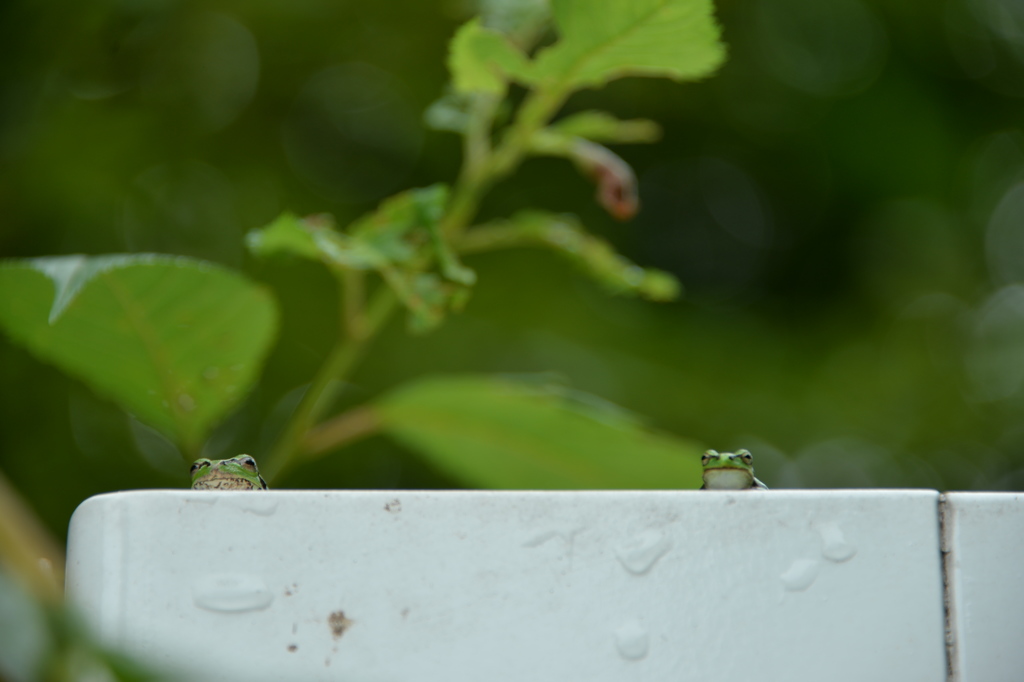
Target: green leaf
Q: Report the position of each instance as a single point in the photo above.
(314, 237)
(450, 112)
(564, 234)
(615, 179)
(175, 341)
(288, 234)
(401, 228)
(602, 40)
(483, 60)
(400, 240)
(387, 236)
(432, 297)
(599, 126)
(498, 433)
(401, 223)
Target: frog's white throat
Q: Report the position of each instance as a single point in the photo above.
(728, 479)
(225, 482)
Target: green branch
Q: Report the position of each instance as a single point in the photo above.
(488, 166)
(27, 549)
(344, 429)
(482, 167)
(339, 363)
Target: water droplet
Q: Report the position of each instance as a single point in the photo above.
(186, 402)
(641, 552)
(800, 575)
(567, 535)
(265, 505)
(231, 593)
(631, 640)
(538, 540)
(834, 546)
(211, 373)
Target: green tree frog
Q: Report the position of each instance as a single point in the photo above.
(729, 471)
(237, 473)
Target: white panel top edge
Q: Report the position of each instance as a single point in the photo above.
(859, 493)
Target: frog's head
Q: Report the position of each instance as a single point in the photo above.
(237, 473)
(728, 470)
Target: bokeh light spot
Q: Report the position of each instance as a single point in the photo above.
(825, 49)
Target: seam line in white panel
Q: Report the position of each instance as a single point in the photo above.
(947, 541)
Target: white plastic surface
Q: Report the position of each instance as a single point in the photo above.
(985, 535)
(517, 586)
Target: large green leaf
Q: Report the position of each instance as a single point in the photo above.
(498, 433)
(174, 341)
(606, 39)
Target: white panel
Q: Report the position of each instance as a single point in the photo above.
(985, 535)
(559, 586)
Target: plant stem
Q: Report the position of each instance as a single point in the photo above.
(463, 205)
(494, 236)
(484, 167)
(346, 428)
(27, 550)
(538, 108)
(474, 178)
(353, 294)
(476, 145)
(342, 357)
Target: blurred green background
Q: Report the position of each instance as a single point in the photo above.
(844, 203)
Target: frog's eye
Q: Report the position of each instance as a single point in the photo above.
(199, 465)
(746, 456)
(248, 462)
(705, 459)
